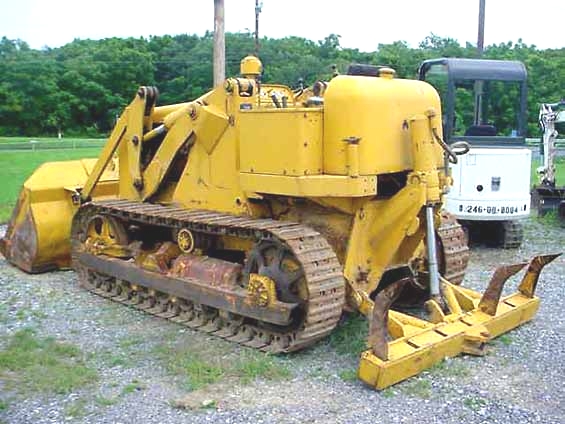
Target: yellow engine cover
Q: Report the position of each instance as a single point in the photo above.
(281, 141)
(376, 111)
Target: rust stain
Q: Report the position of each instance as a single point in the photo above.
(216, 272)
(159, 260)
(19, 246)
(378, 329)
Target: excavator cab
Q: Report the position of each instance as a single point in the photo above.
(490, 195)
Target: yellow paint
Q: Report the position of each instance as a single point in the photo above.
(250, 66)
(155, 172)
(185, 240)
(281, 141)
(161, 112)
(424, 151)
(105, 157)
(210, 124)
(377, 111)
(49, 200)
(380, 239)
(309, 186)
(261, 290)
(129, 150)
(411, 354)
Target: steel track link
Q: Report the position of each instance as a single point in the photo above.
(455, 248)
(322, 270)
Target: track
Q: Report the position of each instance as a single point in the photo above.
(511, 234)
(322, 272)
(455, 249)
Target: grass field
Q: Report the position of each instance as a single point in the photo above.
(46, 143)
(47, 139)
(559, 171)
(16, 166)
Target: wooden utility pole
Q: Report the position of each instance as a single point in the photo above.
(481, 35)
(480, 47)
(219, 43)
(257, 11)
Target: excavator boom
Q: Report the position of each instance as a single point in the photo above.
(548, 195)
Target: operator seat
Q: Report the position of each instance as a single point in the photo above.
(483, 130)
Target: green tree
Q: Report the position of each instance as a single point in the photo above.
(82, 86)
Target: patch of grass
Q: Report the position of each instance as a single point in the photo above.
(388, 393)
(318, 372)
(38, 314)
(551, 218)
(474, 403)
(348, 375)
(104, 401)
(350, 338)
(44, 364)
(190, 365)
(505, 339)
(26, 312)
(76, 409)
(118, 360)
(134, 386)
(17, 166)
(559, 171)
(419, 388)
(121, 356)
(199, 372)
(438, 367)
(252, 365)
(4, 313)
(3, 405)
(198, 367)
(131, 341)
(450, 368)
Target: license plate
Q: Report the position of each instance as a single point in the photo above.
(491, 210)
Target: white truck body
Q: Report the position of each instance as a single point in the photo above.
(491, 184)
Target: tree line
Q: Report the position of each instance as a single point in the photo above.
(81, 87)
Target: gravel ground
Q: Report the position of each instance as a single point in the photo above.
(520, 379)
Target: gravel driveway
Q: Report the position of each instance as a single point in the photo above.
(519, 380)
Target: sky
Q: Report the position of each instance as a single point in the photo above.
(361, 24)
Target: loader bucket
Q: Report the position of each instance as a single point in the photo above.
(464, 325)
(38, 235)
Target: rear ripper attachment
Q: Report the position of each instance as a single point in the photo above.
(464, 324)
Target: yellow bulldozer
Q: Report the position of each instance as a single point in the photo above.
(260, 214)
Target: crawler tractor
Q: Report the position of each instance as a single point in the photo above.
(260, 214)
